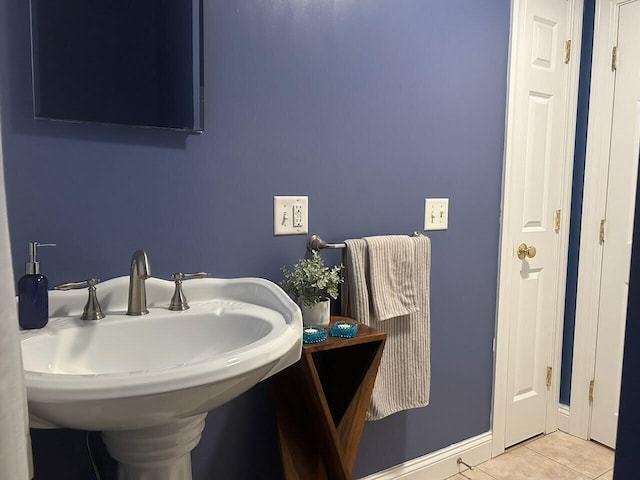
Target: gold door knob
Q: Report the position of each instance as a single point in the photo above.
(524, 251)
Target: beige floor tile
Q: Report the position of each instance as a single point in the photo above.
(474, 474)
(606, 476)
(525, 464)
(588, 458)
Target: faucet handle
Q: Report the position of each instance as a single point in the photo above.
(187, 276)
(91, 282)
(92, 310)
(178, 300)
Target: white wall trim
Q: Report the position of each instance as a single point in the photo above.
(442, 463)
(501, 346)
(506, 242)
(563, 418)
(593, 210)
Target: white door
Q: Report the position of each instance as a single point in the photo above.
(537, 165)
(616, 254)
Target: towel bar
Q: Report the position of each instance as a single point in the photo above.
(316, 242)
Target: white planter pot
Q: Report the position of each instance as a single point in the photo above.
(319, 314)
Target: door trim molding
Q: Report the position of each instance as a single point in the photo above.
(501, 346)
(593, 210)
(563, 418)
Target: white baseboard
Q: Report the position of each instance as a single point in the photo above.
(441, 464)
(563, 418)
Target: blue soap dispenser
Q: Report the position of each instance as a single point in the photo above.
(33, 292)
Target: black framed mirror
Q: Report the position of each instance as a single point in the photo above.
(119, 62)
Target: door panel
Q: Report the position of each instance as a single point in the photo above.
(528, 329)
(537, 166)
(616, 255)
(540, 130)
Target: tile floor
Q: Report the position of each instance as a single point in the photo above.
(557, 456)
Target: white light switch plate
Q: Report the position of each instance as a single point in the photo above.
(290, 215)
(436, 213)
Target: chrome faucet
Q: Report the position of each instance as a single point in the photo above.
(140, 271)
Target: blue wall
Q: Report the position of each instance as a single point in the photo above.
(367, 108)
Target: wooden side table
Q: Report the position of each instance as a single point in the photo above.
(321, 402)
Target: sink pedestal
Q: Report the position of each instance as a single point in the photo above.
(156, 453)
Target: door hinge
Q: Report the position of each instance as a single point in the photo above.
(614, 59)
(549, 373)
(602, 223)
(556, 220)
(591, 386)
(567, 51)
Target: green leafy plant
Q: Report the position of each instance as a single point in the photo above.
(312, 280)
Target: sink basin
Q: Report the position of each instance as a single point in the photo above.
(148, 381)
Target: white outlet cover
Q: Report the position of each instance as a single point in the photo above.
(436, 213)
(283, 215)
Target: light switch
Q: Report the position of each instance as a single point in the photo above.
(436, 213)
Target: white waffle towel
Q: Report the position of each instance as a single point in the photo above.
(403, 380)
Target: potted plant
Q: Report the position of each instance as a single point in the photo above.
(312, 285)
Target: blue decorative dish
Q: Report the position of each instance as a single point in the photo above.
(344, 329)
(313, 334)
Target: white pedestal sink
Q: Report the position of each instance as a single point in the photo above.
(148, 381)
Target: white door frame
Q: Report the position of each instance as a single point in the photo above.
(506, 253)
(593, 210)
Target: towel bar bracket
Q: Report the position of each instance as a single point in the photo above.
(316, 243)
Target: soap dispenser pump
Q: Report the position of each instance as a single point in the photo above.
(33, 292)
